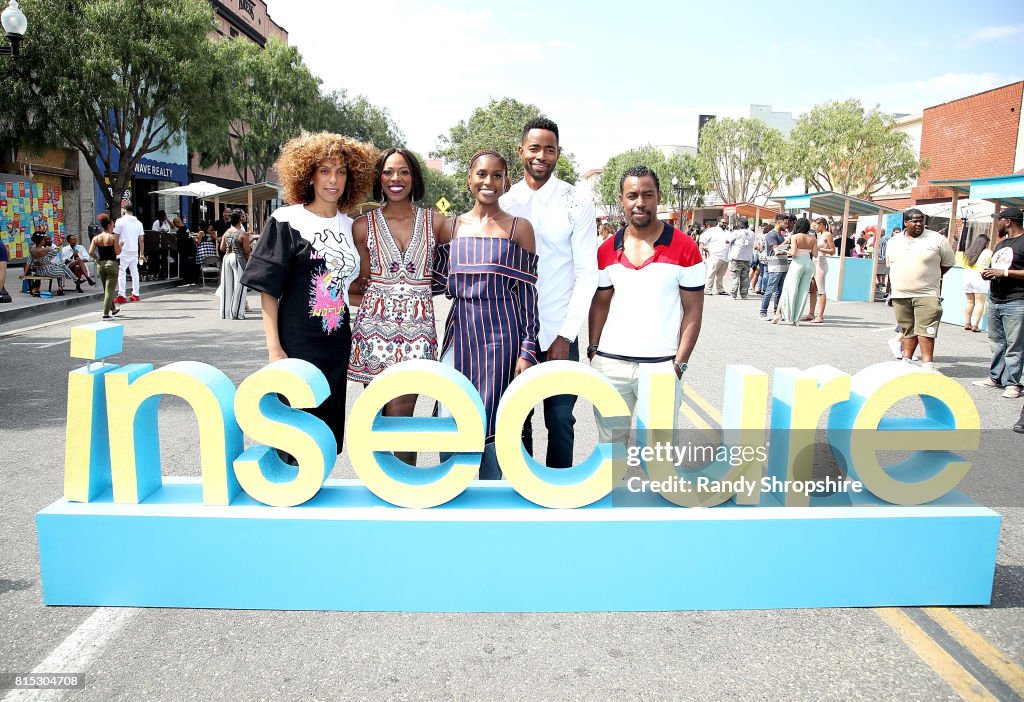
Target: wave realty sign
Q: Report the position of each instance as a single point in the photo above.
(254, 531)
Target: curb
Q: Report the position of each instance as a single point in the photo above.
(74, 300)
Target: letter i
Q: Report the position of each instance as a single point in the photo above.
(87, 441)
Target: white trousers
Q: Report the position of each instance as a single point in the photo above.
(625, 377)
(128, 262)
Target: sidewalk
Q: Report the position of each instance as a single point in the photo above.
(24, 306)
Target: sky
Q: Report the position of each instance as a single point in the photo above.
(616, 75)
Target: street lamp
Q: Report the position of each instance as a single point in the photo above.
(675, 188)
(15, 23)
(685, 194)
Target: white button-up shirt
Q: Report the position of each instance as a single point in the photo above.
(716, 241)
(565, 227)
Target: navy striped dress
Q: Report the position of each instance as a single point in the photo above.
(493, 320)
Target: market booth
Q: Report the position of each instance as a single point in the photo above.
(849, 279)
(1002, 191)
(748, 210)
(250, 196)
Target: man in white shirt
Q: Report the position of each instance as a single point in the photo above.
(741, 250)
(129, 230)
(565, 226)
(714, 244)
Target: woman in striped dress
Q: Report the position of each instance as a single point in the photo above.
(489, 270)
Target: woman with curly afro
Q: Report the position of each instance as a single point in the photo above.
(305, 261)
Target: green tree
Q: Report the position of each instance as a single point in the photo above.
(113, 76)
(497, 126)
(680, 166)
(745, 159)
(842, 147)
(358, 118)
(438, 184)
(271, 97)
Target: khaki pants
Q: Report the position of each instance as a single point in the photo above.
(716, 275)
(625, 377)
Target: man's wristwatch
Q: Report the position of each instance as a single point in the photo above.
(591, 350)
(681, 366)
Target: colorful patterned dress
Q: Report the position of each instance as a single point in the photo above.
(395, 321)
(493, 321)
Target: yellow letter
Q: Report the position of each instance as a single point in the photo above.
(87, 446)
(133, 397)
(372, 438)
(261, 415)
(743, 425)
(858, 429)
(579, 485)
(799, 399)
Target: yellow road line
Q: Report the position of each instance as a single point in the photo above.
(991, 657)
(962, 682)
(708, 408)
(699, 422)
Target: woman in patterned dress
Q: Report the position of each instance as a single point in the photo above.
(489, 270)
(396, 243)
(45, 261)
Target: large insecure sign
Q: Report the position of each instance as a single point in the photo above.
(253, 532)
(123, 451)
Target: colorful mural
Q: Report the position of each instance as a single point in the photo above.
(23, 207)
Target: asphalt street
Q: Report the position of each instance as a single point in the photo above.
(168, 654)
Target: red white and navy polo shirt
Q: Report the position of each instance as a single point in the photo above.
(645, 313)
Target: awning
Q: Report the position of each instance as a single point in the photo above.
(748, 209)
(831, 204)
(248, 194)
(1004, 190)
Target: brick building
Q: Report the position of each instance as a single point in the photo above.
(976, 136)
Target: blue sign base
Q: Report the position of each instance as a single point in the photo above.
(490, 550)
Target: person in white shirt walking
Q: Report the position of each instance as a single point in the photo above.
(129, 230)
(741, 250)
(565, 228)
(714, 244)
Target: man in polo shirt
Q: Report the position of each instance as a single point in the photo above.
(741, 250)
(1006, 305)
(565, 226)
(777, 264)
(648, 305)
(714, 244)
(917, 261)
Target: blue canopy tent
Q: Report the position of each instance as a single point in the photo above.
(855, 279)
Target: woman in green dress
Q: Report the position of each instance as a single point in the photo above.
(803, 247)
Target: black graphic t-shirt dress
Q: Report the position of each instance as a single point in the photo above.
(308, 263)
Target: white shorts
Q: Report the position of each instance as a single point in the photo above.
(974, 283)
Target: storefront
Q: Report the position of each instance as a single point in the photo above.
(158, 171)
